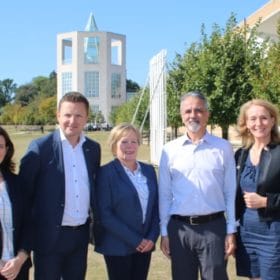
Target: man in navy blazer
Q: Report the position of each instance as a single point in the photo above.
(59, 172)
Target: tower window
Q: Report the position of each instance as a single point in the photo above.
(91, 50)
(92, 84)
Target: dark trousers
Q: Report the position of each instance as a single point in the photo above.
(69, 259)
(130, 267)
(197, 248)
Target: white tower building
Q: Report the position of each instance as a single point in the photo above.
(93, 63)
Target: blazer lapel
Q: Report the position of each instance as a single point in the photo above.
(89, 160)
(57, 151)
(119, 168)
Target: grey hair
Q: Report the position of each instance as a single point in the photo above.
(196, 94)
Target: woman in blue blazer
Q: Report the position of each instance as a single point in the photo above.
(127, 209)
(15, 241)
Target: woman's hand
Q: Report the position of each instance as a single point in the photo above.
(12, 267)
(254, 200)
(145, 246)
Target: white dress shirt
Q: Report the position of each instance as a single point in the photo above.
(197, 179)
(6, 223)
(77, 193)
(139, 181)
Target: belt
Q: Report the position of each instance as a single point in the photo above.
(197, 220)
(75, 227)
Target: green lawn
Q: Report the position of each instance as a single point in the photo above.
(160, 266)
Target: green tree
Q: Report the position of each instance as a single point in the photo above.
(7, 91)
(126, 112)
(174, 89)
(132, 86)
(47, 110)
(220, 66)
(266, 82)
(25, 94)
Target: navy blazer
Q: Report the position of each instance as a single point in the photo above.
(42, 170)
(21, 234)
(119, 210)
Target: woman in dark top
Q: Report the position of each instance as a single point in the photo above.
(14, 239)
(258, 193)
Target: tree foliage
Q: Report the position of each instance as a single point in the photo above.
(125, 113)
(220, 66)
(7, 91)
(31, 103)
(266, 82)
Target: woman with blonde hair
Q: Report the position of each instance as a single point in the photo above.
(258, 192)
(127, 198)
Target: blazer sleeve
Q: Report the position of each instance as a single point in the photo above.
(153, 231)
(29, 169)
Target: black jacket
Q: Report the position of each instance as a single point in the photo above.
(21, 234)
(268, 182)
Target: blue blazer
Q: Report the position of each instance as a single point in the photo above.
(120, 213)
(42, 171)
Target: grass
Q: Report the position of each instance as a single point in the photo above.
(160, 265)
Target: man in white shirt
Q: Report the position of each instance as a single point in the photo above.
(59, 173)
(196, 192)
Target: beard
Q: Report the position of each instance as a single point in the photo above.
(194, 126)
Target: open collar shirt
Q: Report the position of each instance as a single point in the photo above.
(77, 193)
(197, 179)
(139, 181)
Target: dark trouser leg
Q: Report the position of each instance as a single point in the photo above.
(184, 262)
(68, 260)
(197, 248)
(131, 267)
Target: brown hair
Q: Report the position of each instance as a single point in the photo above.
(7, 164)
(118, 132)
(246, 136)
(74, 97)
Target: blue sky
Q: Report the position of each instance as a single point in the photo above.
(28, 29)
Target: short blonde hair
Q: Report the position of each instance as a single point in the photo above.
(118, 132)
(246, 137)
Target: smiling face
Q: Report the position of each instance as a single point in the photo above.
(127, 148)
(72, 117)
(259, 122)
(194, 116)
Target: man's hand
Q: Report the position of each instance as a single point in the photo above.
(230, 245)
(164, 246)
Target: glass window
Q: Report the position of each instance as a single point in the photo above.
(116, 85)
(66, 82)
(91, 50)
(92, 84)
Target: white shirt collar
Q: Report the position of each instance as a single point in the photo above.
(82, 138)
